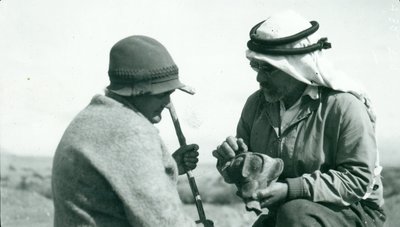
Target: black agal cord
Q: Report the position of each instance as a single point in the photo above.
(271, 46)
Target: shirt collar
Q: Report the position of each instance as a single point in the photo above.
(312, 92)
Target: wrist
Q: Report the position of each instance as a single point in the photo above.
(295, 189)
(286, 191)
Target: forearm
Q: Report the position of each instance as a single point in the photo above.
(337, 187)
(348, 179)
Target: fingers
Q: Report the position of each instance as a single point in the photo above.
(229, 149)
(190, 150)
(216, 154)
(232, 143)
(274, 194)
(265, 203)
(261, 194)
(237, 144)
(269, 202)
(223, 153)
(242, 146)
(264, 197)
(190, 167)
(190, 160)
(190, 156)
(191, 147)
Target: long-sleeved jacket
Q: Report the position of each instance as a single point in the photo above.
(329, 149)
(112, 169)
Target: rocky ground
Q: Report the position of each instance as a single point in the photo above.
(26, 195)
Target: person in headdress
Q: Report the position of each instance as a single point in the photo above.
(111, 168)
(317, 120)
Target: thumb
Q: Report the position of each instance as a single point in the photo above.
(261, 194)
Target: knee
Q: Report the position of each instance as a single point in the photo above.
(293, 213)
(293, 207)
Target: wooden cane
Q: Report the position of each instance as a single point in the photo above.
(192, 181)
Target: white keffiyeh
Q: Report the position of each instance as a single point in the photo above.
(313, 68)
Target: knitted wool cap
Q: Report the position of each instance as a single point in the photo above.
(141, 65)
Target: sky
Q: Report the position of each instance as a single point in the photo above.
(54, 58)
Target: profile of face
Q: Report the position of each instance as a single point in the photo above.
(274, 83)
(151, 106)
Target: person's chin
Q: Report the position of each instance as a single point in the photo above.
(270, 97)
(156, 119)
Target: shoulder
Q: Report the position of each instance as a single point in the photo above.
(255, 96)
(342, 101)
(113, 115)
(106, 120)
(254, 100)
(345, 106)
(252, 105)
(109, 132)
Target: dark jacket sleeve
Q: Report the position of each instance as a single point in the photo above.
(247, 117)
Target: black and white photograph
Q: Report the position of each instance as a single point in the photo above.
(185, 113)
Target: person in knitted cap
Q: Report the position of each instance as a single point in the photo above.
(111, 168)
(318, 121)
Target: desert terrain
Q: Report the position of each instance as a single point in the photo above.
(26, 198)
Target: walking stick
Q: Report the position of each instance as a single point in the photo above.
(192, 181)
